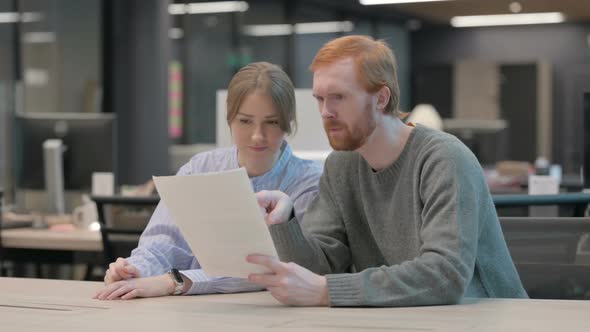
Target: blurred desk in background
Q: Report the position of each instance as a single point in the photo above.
(577, 201)
(45, 239)
(45, 246)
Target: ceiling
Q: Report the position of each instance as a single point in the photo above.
(442, 11)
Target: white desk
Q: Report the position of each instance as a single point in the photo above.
(51, 305)
(28, 238)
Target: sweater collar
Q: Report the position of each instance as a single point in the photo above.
(392, 171)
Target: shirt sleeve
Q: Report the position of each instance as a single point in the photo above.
(203, 284)
(161, 245)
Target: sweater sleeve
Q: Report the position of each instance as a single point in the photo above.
(327, 250)
(451, 191)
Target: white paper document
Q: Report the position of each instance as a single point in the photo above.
(218, 215)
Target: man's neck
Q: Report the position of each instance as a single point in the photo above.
(386, 143)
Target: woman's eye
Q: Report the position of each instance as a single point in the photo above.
(274, 122)
(244, 121)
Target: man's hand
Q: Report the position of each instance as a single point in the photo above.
(276, 204)
(290, 283)
(138, 287)
(120, 270)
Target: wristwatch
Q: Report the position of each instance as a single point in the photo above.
(178, 281)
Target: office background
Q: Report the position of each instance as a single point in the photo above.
(140, 82)
(157, 67)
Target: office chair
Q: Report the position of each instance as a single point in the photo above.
(545, 252)
(121, 231)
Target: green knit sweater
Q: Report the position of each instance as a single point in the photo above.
(423, 231)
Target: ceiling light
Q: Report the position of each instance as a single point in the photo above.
(13, 17)
(208, 7)
(507, 19)
(298, 28)
(268, 30)
(9, 17)
(392, 2)
(323, 27)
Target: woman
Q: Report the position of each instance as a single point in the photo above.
(260, 112)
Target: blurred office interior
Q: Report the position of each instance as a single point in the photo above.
(515, 91)
(132, 86)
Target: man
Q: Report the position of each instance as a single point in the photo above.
(404, 216)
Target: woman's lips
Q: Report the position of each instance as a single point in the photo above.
(258, 148)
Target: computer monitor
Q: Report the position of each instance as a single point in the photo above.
(586, 169)
(89, 141)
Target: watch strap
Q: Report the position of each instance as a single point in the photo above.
(178, 281)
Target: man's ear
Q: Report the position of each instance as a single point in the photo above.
(383, 97)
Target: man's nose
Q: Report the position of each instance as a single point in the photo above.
(325, 111)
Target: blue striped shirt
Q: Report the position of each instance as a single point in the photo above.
(162, 246)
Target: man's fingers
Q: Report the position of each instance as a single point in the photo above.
(272, 263)
(279, 294)
(280, 213)
(265, 199)
(267, 280)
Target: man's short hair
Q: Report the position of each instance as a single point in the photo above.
(374, 60)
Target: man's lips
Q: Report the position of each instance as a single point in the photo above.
(334, 129)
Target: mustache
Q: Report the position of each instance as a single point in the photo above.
(330, 124)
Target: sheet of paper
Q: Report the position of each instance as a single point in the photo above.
(220, 219)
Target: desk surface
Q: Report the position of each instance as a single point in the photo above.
(126, 200)
(28, 238)
(66, 306)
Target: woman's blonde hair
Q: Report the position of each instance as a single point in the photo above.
(271, 80)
